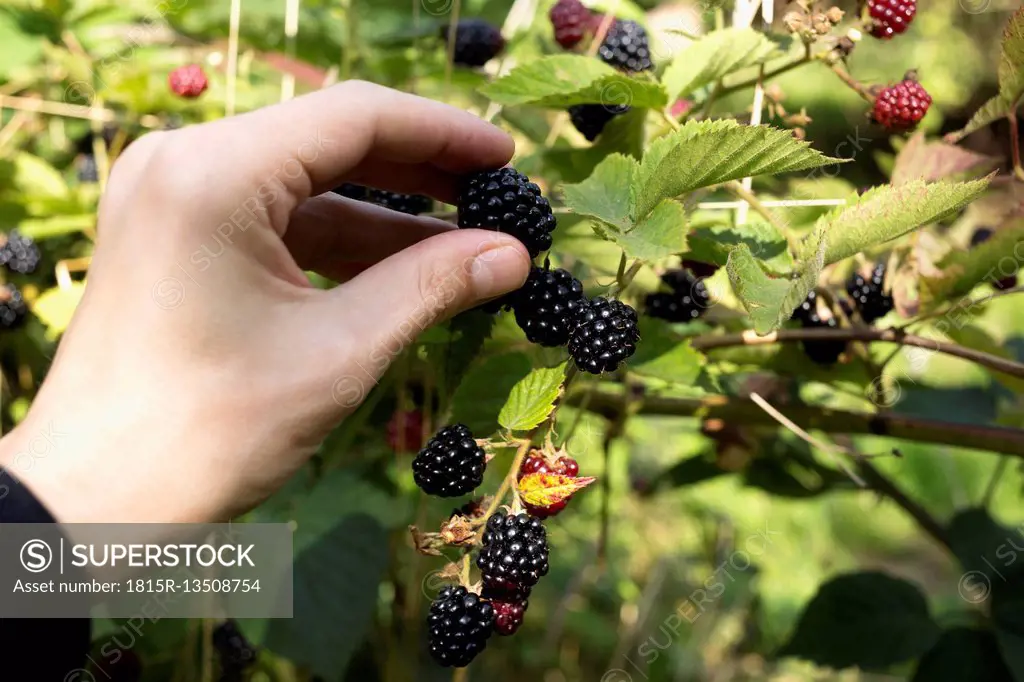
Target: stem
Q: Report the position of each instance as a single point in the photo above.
(450, 61)
(751, 82)
(885, 487)
(510, 477)
(1018, 170)
(993, 483)
(624, 280)
(865, 335)
(852, 83)
(970, 304)
(746, 195)
(743, 411)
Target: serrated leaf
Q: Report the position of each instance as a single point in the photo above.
(544, 490)
(565, 80)
(532, 399)
(931, 161)
(659, 234)
(485, 389)
(606, 194)
(705, 153)
(714, 56)
(870, 620)
(996, 108)
(1011, 61)
(886, 213)
(770, 298)
(665, 356)
(712, 244)
(963, 269)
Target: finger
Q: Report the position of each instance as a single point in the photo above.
(339, 237)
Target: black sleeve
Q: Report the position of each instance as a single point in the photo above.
(37, 648)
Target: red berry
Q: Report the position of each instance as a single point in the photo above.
(572, 21)
(568, 466)
(901, 107)
(188, 81)
(890, 17)
(405, 431)
(537, 464)
(508, 616)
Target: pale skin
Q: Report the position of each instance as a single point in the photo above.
(201, 369)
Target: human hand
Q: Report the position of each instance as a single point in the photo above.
(201, 368)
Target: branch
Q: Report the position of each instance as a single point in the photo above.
(742, 411)
(863, 334)
(751, 82)
(750, 198)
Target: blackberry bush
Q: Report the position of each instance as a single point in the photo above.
(605, 336)
(505, 200)
(451, 464)
(547, 304)
(459, 625)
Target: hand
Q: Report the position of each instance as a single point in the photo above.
(201, 368)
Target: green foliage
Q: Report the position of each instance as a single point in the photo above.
(961, 270)
(485, 389)
(532, 399)
(715, 55)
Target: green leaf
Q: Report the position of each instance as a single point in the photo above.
(963, 654)
(869, 619)
(56, 306)
(978, 542)
(769, 298)
(36, 178)
(886, 213)
(963, 269)
(45, 228)
(931, 161)
(565, 80)
(660, 234)
(606, 194)
(485, 389)
(467, 334)
(712, 244)
(663, 355)
(714, 56)
(705, 153)
(1011, 61)
(17, 48)
(623, 135)
(532, 399)
(996, 108)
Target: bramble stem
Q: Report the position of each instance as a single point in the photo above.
(852, 83)
(746, 195)
(751, 82)
(884, 486)
(510, 477)
(1018, 170)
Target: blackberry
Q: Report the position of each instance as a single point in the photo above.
(20, 254)
(88, 171)
(459, 625)
(824, 353)
(687, 301)
(233, 649)
(534, 464)
(12, 307)
(626, 47)
(451, 464)
(350, 191)
(869, 294)
(188, 81)
(900, 107)
(413, 204)
(982, 235)
(405, 430)
(505, 200)
(590, 119)
(571, 21)
(546, 305)
(808, 310)
(890, 17)
(508, 616)
(514, 554)
(476, 42)
(606, 334)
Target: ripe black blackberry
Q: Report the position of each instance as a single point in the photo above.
(476, 42)
(413, 204)
(982, 235)
(869, 294)
(459, 626)
(351, 191)
(235, 652)
(505, 200)
(514, 553)
(606, 334)
(688, 300)
(88, 171)
(626, 47)
(20, 254)
(590, 119)
(451, 464)
(12, 307)
(824, 353)
(546, 305)
(807, 313)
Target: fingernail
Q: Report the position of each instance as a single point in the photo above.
(499, 270)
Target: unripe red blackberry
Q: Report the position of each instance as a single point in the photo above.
(546, 305)
(590, 119)
(890, 17)
(476, 42)
(536, 464)
(12, 307)
(19, 253)
(869, 295)
(626, 47)
(188, 81)
(605, 336)
(571, 21)
(514, 553)
(459, 625)
(451, 464)
(508, 616)
(900, 107)
(687, 301)
(505, 200)
(405, 430)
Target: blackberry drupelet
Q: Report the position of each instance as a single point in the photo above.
(808, 310)
(514, 553)
(412, 204)
(626, 47)
(19, 253)
(508, 616)
(590, 119)
(546, 305)
(476, 42)
(571, 21)
(451, 464)
(606, 334)
(12, 307)
(458, 625)
(890, 17)
(505, 200)
(687, 301)
(900, 107)
(869, 295)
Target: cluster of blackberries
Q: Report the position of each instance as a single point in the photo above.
(686, 300)
(234, 651)
(451, 464)
(825, 353)
(412, 204)
(476, 42)
(19, 253)
(1006, 282)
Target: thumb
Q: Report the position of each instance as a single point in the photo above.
(387, 306)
